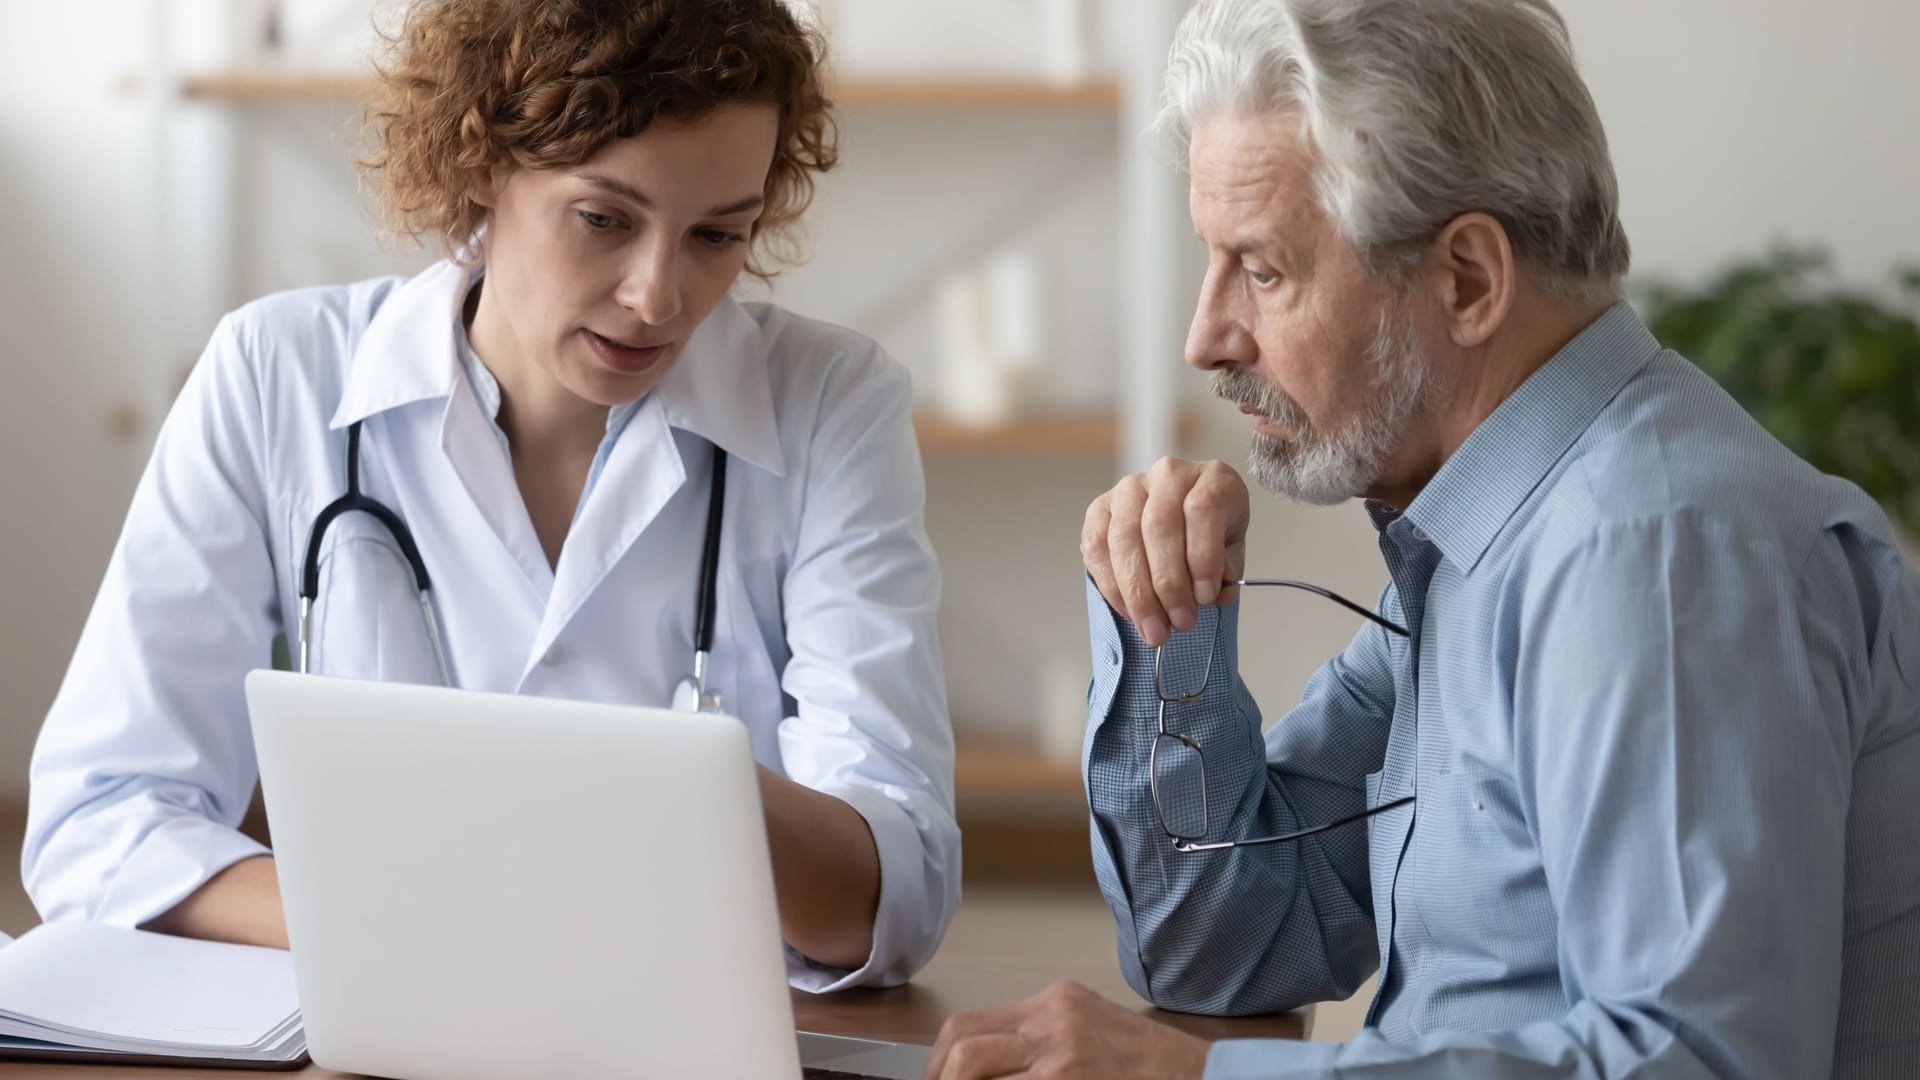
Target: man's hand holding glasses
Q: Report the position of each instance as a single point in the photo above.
(1160, 546)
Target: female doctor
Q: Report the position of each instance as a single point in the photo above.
(561, 419)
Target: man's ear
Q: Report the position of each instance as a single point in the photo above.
(1472, 274)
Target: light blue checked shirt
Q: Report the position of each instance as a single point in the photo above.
(1661, 710)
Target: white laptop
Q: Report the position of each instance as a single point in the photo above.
(488, 885)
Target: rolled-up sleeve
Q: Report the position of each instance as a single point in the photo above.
(1249, 929)
(145, 764)
(870, 724)
(1685, 760)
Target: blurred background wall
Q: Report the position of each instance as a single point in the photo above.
(133, 213)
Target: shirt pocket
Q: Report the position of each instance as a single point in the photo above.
(367, 618)
(1474, 865)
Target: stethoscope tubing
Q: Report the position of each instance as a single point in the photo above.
(353, 501)
(709, 574)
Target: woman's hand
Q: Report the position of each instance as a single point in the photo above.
(826, 871)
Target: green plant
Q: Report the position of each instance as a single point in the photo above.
(1833, 373)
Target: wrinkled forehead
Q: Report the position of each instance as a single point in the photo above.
(1251, 180)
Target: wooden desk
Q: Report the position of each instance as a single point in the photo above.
(1005, 945)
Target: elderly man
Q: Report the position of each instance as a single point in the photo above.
(1635, 730)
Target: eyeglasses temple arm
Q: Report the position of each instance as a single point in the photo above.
(1316, 590)
(1188, 845)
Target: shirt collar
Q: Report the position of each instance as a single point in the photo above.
(1484, 482)
(720, 388)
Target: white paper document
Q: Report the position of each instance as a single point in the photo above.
(79, 986)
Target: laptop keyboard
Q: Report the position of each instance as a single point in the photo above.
(811, 1073)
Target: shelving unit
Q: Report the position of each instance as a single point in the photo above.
(1024, 814)
(1052, 436)
(1150, 229)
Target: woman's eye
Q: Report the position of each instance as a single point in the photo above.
(597, 222)
(1262, 279)
(720, 237)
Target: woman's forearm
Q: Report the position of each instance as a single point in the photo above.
(240, 904)
(826, 872)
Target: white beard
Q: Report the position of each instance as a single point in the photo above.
(1322, 469)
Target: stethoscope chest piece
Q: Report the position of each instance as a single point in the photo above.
(689, 697)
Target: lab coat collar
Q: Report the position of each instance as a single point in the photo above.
(408, 351)
(720, 387)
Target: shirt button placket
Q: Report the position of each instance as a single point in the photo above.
(1411, 571)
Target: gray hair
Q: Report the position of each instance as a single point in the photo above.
(1420, 111)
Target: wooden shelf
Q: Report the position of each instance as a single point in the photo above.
(1024, 816)
(348, 88)
(1101, 95)
(1062, 435)
(1010, 770)
(277, 87)
(1056, 435)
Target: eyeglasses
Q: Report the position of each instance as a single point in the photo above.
(1177, 771)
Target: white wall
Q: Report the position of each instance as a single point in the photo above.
(1731, 122)
(1737, 121)
(76, 320)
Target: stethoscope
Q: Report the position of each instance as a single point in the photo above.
(689, 695)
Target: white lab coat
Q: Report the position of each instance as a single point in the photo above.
(824, 645)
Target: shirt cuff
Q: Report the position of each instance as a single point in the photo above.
(1271, 1059)
(1206, 658)
(171, 862)
(1109, 654)
(905, 928)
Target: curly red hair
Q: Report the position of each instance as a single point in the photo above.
(472, 85)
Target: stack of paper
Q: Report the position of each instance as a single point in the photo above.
(78, 990)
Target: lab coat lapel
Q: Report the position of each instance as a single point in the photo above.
(408, 353)
(720, 390)
(642, 473)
